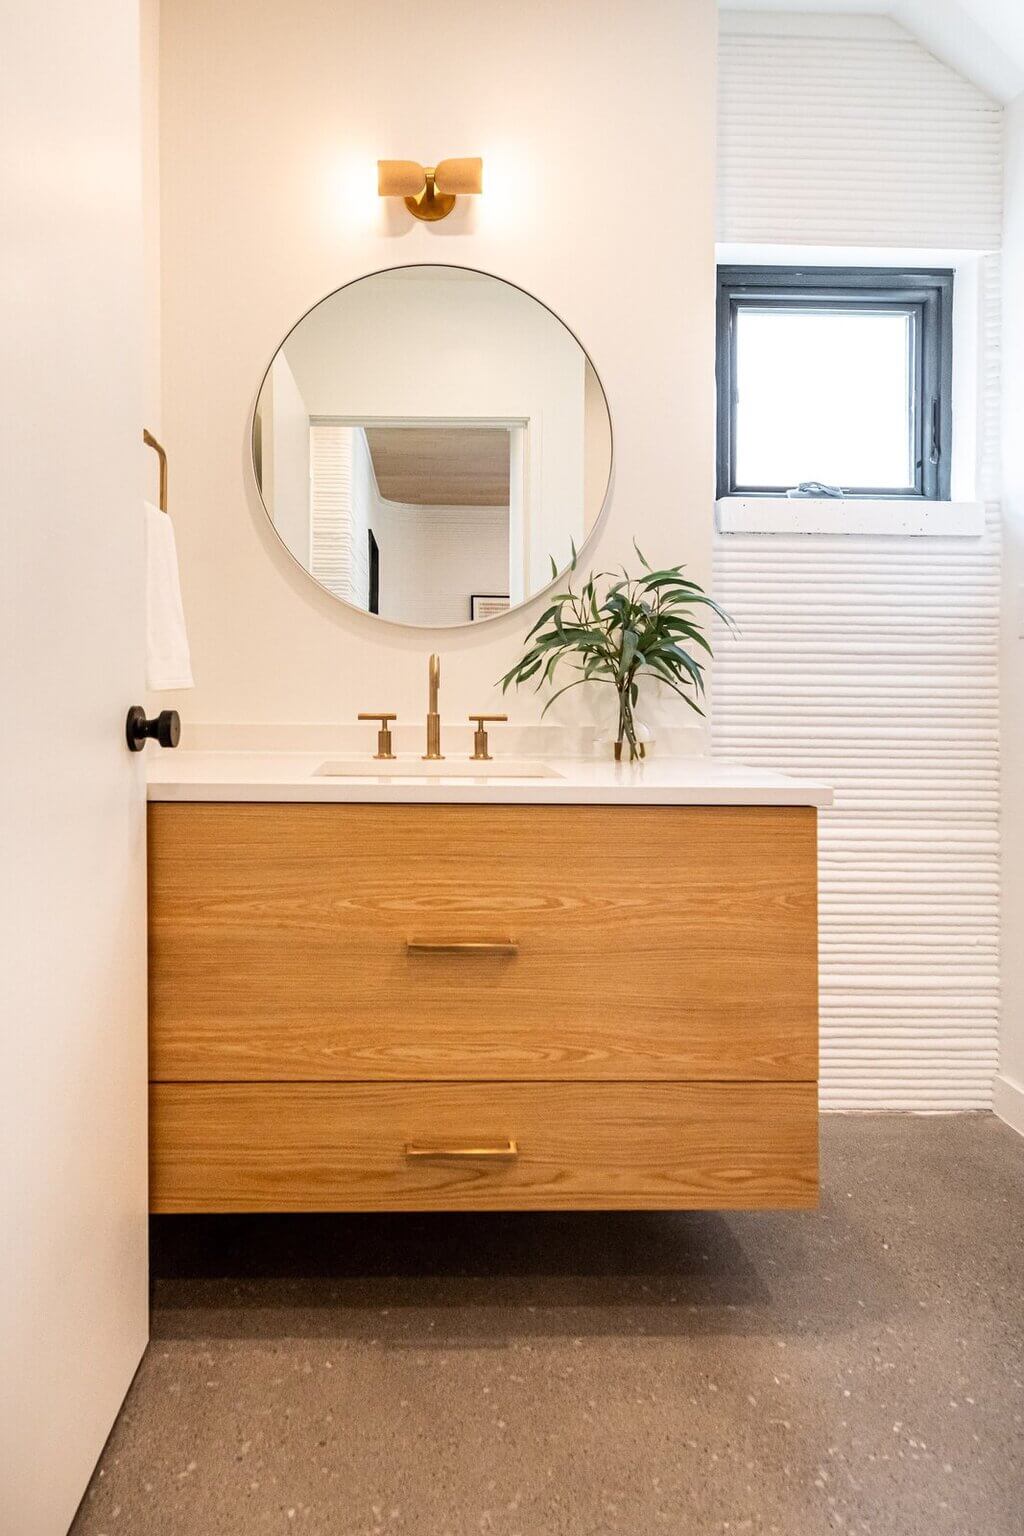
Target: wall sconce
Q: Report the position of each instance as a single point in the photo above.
(429, 191)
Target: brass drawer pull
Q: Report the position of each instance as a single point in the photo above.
(504, 1152)
(461, 947)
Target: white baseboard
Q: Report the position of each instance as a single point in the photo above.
(1008, 1102)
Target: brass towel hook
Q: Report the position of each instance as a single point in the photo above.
(151, 442)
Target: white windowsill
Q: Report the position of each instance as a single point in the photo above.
(901, 519)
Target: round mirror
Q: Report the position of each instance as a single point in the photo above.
(430, 443)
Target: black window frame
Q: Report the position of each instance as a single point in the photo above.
(926, 291)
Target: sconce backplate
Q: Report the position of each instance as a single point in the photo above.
(430, 204)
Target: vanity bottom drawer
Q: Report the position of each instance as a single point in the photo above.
(481, 1146)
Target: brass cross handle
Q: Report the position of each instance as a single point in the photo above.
(383, 735)
(480, 752)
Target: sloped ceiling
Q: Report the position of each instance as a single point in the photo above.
(983, 39)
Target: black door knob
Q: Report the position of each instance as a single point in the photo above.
(165, 728)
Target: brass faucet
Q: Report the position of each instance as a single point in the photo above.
(433, 752)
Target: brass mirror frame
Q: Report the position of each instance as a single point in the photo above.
(255, 448)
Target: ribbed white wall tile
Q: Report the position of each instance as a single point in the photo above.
(852, 135)
(339, 556)
(874, 662)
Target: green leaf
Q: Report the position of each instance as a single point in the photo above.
(641, 626)
(669, 578)
(689, 665)
(548, 613)
(676, 626)
(552, 663)
(702, 599)
(677, 688)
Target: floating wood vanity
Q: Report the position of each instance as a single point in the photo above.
(576, 994)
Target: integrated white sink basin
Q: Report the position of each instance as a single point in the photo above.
(306, 775)
(446, 768)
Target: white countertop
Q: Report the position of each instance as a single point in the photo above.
(289, 776)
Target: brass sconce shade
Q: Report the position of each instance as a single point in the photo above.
(429, 191)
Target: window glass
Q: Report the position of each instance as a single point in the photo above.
(824, 395)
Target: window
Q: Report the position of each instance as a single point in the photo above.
(839, 376)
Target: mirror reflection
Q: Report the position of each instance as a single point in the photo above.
(428, 440)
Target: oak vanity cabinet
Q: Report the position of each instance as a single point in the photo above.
(453, 1007)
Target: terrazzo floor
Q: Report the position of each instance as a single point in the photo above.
(854, 1369)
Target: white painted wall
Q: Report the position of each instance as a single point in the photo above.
(284, 419)
(73, 1292)
(1009, 1093)
(873, 662)
(364, 502)
(264, 212)
(433, 558)
(149, 47)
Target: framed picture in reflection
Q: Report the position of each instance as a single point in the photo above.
(487, 605)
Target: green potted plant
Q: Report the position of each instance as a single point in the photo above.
(638, 627)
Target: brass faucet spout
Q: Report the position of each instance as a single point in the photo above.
(433, 752)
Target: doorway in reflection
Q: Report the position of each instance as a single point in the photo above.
(432, 504)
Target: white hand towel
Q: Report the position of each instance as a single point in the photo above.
(168, 664)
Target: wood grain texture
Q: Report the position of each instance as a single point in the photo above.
(442, 466)
(653, 942)
(582, 1146)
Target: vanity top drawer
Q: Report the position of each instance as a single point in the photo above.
(299, 941)
(492, 1146)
